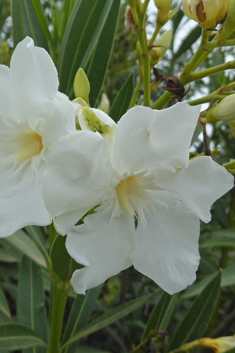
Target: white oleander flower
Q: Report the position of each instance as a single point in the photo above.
(149, 196)
(33, 116)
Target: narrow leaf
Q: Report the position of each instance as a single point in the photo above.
(188, 41)
(195, 322)
(79, 315)
(81, 36)
(14, 337)
(169, 312)
(17, 21)
(100, 58)
(157, 314)
(228, 279)
(21, 241)
(32, 24)
(30, 299)
(108, 318)
(123, 98)
(4, 307)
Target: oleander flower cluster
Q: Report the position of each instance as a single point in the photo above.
(124, 194)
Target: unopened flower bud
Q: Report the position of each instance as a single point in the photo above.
(219, 345)
(129, 23)
(163, 10)
(104, 103)
(208, 13)
(161, 47)
(225, 110)
(81, 86)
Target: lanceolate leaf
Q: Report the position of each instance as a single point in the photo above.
(122, 101)
(82, 33)
(188, 41)
(14, 337)
(157, 314)
(32, 25)
(17, 21)
(22, 242)
(30, 299)
(196, 320)
(4, 307)
(100, 58)
(228, 279)
(79, 315)
(108, 318)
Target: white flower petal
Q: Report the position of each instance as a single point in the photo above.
(167, 246)
(149, 139)
(100, 245)
(5, 95)
(34, 81)
(63, 222)
(200, 185)
(23, 207)
(76, 175)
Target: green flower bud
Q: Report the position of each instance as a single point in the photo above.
(81, 85)
(162, 45)
(104, 103)
(225, 110)
(163, 10)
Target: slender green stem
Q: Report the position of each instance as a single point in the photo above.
(136, 92)
(41, 247)
(211, 71)
(145, 53)
(206, 99)
(196, 57)
(59, 296)
(154, 36)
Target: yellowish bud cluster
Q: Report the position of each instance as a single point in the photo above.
(208, 13)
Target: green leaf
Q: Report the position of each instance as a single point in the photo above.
(64, 15)
(157, 314)
(228, 279)
(14, 337)
(32, 25)
(196, 134)
(108, 318)
(79, 315)
(4, 307)
(84, 349)
(100, 58)
(30, 299)
(82, 33)
(222, 237)
(169, 312)
(17, 21)
(196, 320)
(62, 263)
(191, 38)
(123, 98)
(21, 241)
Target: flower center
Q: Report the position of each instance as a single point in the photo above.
(28, 145)
(131, 193)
